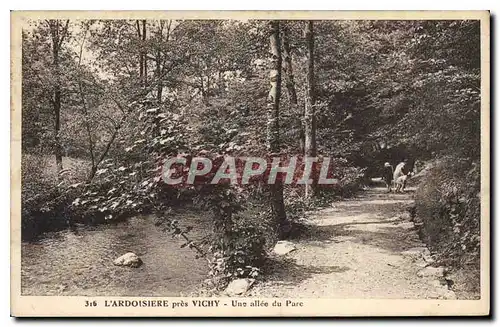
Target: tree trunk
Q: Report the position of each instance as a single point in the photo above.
(141, 57)
(290, 84)
(144, 54)
(57, 40)
(158, 75)
(203, 90)
(220, 79)
(105, 152)
(310, 114)
(84, 104)
(57, 127)
(273, 143)
(287, 68)
(159, 89)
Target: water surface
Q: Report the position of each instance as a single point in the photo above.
(80, 262)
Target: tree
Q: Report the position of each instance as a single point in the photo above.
(290, 82)
(143, 55)
(276, 189)
(37, 116)
(58, 33)
(310, 106)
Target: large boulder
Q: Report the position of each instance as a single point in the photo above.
(129, 259)
(284, 247)
(239, 286)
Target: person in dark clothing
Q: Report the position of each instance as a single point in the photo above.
(388, 175)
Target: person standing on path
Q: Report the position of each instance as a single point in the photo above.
(400, 171)
(388, 175)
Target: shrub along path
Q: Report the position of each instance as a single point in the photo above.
(365, 247)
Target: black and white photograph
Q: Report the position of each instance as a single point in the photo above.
(248, 163)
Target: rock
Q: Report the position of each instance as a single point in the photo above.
(426, 252)
(284, 247)
(446, 293)
(421, 263)
(416, 252)
(449, 295)
(407, 225)
(239, 286)
(439, 284)
(431, 272)
(428, 259)
(129, 259)
(405, 215)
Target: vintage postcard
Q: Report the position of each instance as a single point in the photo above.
(257, 164)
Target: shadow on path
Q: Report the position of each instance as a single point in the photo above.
(390, 238)
(286, 271)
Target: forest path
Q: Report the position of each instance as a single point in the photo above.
(355, 249)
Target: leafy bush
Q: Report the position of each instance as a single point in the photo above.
(35, 186)
(241, 253)
(350, 179)
(448, 205)
(44, 198)
(33, 177)
(241, 232)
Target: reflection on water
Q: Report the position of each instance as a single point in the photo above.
(80, 262)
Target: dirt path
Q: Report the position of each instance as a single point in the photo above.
(356, 249)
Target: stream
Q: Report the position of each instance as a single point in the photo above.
(80, 261)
